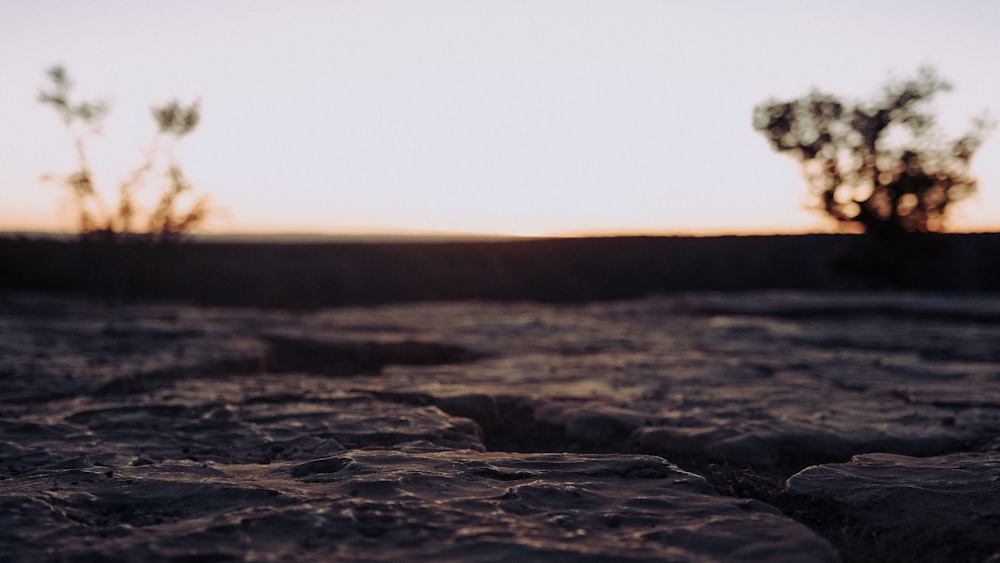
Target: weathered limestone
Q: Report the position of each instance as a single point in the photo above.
(894, 507)
(384, 505)
(438, 431)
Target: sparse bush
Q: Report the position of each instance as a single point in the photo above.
(122, 250)
(161, 221)
(880, 165)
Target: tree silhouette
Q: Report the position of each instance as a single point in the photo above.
(882, 165)
(163, 219)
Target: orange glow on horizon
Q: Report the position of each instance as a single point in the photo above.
(819, 226)
(364, 119)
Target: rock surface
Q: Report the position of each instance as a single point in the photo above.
(402, 505)
(954, 501)
(431, 431)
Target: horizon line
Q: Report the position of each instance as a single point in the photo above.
(403, 235)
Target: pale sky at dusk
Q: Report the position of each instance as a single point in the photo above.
(514, 117)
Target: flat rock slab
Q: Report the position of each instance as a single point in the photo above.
(117, 404)
(396, 506)
(894, 507)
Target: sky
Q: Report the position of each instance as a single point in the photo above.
(515, 117)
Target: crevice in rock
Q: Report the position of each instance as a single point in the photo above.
(522, 424)
(149, 381)
(344, 358)
(284, 355)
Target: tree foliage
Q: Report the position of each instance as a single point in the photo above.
(882, 164)
(162, 219)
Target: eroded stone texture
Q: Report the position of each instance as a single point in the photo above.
(893, 507)
(775, 381)
(257, 411)
(383, 505)
(242, 426)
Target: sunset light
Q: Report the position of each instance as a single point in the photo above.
(518, 118)
(499, 280)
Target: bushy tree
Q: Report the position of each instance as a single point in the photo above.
(882, 165)
(163, 219)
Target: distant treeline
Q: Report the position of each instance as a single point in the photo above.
(545, 270)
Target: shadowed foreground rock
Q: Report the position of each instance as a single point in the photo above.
(954, 500)
(400, 505)
(509, 431)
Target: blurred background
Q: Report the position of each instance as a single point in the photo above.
(532, 117)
